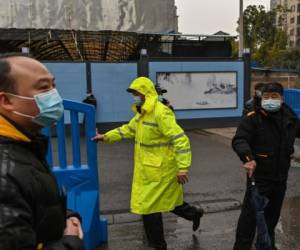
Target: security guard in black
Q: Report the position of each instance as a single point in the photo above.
(264, 141)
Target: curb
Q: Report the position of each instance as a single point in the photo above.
(212, 206)
(216, 137)
(295, 164)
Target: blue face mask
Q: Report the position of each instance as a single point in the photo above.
(271, 105)
(137, 100)
(50, 105)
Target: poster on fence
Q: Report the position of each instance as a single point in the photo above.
(200, 90)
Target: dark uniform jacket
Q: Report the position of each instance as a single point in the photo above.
(268, 138)
(252, 105)
(32, 210)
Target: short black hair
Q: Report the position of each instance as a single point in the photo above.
(7, 82)
(273, 87)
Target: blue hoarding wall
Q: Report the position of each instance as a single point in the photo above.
(70, 79)
(110, 81)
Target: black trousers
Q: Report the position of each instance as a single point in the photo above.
(246, 228)
(153, 225)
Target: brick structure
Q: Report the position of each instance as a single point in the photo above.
(288, 79)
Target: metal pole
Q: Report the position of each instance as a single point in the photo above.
(241, 29)
(143, 64)
(88, 77)
(247, 74)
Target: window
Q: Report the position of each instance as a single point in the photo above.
(298, 31)
(298, 9)
(292, 32)
(298, 19)
(292, 20)
(293, 8)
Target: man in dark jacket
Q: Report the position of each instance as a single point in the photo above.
(255, 101)
(264, 142)
(32, 208)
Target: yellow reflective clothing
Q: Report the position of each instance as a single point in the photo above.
(161, 150)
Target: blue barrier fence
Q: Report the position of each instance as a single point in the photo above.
(80, 180)
(292, 98)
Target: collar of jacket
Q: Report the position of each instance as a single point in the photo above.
(263, 112)
(288, 115)
(37, 143)
(10, 130)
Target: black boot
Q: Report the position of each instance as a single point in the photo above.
(153, 225)
(196, 220)
(189, 212)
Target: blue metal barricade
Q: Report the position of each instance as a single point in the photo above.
(80, 180)
(292, 98)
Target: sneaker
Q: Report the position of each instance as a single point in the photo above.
(196, 220)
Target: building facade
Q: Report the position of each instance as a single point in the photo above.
(293, 23)
(289, 20)
(153, 16)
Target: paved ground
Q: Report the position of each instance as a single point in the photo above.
(217, 183)
(216, 178)
(214, 164)
(215, 174)
(179, 234)
(216, 232)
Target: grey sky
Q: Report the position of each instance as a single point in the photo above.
(210, 16)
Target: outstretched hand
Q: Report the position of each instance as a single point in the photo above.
(98, 137)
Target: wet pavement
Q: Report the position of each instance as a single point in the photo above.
(216, 232)
(215, 177)
(217, 182)
(289, 224)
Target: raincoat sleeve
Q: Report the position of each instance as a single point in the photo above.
(169, 128)
(127, 131)
(243, 138)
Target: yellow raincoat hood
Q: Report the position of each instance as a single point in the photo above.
(146, 87)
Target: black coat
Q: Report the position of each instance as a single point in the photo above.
(252, 104)
(32, 211)
(268, 138)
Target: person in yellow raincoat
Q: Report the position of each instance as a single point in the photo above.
(162, 158)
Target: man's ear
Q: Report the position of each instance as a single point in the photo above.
(5, 102)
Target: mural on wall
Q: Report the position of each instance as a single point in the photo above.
(198, 90)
